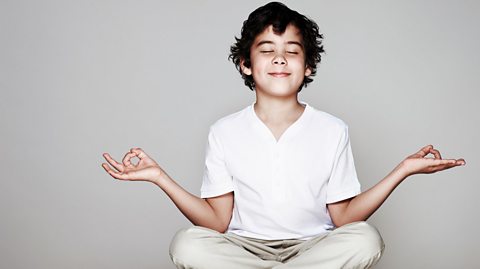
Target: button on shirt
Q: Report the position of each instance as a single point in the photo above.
(281, 188)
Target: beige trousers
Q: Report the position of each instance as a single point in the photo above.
(355, 245)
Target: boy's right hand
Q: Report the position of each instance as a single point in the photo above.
(145, 170)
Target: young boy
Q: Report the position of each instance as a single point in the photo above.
(280, 188)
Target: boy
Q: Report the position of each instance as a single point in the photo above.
(280, 188)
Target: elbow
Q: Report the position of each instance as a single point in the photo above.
(221, 228)
(222, 231)
(337, 223)
(223, 224)
(341, 222)
(338, 220)
(224, 227)
(215, 227)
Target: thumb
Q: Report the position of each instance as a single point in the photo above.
(140, 153)
(423, 151)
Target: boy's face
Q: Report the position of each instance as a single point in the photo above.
(277, 61)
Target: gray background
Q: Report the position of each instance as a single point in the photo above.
(79, 78)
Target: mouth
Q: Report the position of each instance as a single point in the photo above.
(279, 74)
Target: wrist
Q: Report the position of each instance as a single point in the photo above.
(160, 180)
(402, 171)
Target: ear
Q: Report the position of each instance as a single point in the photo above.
(308, 71)
(246, 70)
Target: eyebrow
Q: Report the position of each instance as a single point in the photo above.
(271, 42)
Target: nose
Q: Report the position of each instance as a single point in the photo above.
(279, 59)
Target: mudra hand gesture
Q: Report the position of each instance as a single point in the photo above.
(145, 170)
(419, 163)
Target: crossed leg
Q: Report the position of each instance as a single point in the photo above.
(353, 246)
(202, 248)
(357, 245)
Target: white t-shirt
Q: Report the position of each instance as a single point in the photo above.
(280, 188)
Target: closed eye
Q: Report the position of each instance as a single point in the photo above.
(266, 51)
(292, 52)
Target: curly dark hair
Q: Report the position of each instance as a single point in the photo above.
(279, 16)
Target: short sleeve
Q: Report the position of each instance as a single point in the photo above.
(216, 178)
(343, 182)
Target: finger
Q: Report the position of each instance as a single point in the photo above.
(423, 151)
(444, 167)
(436, 153)
(114, 163)
(127, 158)
(452, 162)
(439, 165)
(139, 153)
(113, 173)
(436, 162)
(441, 168)
(461, 162)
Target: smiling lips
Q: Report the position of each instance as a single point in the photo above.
(279, 74)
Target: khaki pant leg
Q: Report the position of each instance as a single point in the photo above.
(356, 245)
(202, 248)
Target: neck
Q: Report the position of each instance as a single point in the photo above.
(278, 111)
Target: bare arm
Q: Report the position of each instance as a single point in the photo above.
(362, 206)
(213, 213)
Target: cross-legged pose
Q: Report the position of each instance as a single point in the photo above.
(279, 188)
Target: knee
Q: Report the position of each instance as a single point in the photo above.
(178, 243)
(187, 244)
(183, 243)
(367, 238)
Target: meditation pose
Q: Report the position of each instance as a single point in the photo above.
(279, 188)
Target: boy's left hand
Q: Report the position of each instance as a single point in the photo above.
(418, 163)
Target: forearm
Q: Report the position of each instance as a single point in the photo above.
(361, 207)
(195, 209)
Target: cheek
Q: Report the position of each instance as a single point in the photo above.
(299, 61)
(258, 66)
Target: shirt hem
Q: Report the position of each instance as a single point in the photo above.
(343, 195)
(256, 236)
(215, 192)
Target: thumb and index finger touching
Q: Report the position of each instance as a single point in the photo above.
(120, 166)
(429, 149)
(139, 153)
(426, 150)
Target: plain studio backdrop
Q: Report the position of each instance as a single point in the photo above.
(79, 78)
